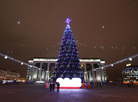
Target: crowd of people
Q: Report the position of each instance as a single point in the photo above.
(56, 85)
(52, 86)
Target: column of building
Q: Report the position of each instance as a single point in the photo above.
(93, 73)
(101, 72)
(47, 72)
(40, 70)
(32, 74)
(43, 73)
(90, 76)
(85, 74)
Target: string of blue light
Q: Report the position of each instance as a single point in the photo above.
(105, 66)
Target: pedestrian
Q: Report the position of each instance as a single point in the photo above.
(128, 85)
(100, 84)
(46, 85)
(97, 83)
(88, 85)
(120, 84)
(132, 84)
(51, 86)
(58, 86)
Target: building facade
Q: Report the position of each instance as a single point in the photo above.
(8, 75)
(46, 67)
(130, 74)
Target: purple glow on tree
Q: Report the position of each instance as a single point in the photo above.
(68, 64)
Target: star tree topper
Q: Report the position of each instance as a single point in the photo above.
(67, 20)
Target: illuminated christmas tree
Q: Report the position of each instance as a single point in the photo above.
(68, 64)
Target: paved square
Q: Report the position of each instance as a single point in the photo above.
(37, 93)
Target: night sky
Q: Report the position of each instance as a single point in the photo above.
(106, 29)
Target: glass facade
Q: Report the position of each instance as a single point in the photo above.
(130, 74)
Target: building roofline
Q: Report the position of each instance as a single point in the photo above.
(53, 59)
(57, 58)
(132, 66)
